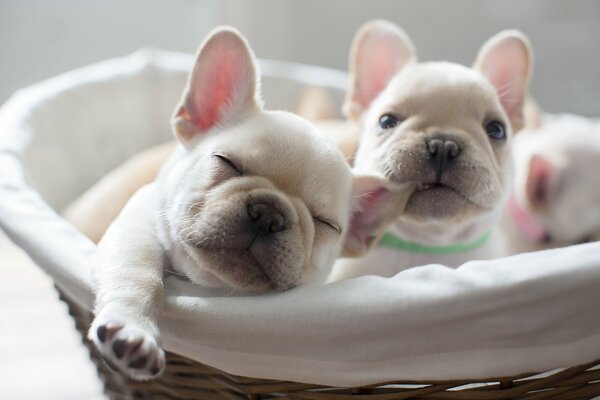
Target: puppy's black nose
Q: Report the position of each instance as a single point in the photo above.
(442, 152)
(266, 218)
(445, 149)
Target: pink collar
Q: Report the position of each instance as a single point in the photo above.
(524, 222)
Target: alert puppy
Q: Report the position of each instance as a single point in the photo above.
(251, 200)
(445, 130)
(556, 192)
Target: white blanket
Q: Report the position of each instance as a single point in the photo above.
(526, 313)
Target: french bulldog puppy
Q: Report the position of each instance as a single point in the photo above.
(556, 192)
(93, 211)
(444, 131)
(251, 200)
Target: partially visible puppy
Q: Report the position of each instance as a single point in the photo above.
(556, 194)
(445, 130)
(251, 200)
(317, 105)
(93, 211)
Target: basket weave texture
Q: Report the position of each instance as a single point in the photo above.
(188, 379)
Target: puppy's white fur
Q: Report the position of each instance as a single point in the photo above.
(436, 100)
(251, 200)
(556, 191)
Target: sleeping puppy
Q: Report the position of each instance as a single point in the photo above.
(251, 200)
(445, 130)
(556, 193)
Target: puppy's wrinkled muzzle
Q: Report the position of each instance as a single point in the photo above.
(447, 174)
(251, 240)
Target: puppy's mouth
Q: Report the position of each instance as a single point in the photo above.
(423, 186)
(232, 268)
(438, 188)
(244, 262)
(439, 201)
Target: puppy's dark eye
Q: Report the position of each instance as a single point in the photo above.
(388, 121)
(496, 130)
(329, 224)
(228, 163)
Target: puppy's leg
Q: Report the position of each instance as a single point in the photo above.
(129, 290)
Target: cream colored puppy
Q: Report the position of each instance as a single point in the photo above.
(443, 128)
(556, 193)
(252, 200)
(93, 211)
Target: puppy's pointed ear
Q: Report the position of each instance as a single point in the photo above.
(222, 88)
(379, 50)
(506, 60)
(377, 204)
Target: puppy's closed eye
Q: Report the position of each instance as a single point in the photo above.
(328, 224)
(227, 166)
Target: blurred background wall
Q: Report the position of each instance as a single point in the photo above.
(40, 38)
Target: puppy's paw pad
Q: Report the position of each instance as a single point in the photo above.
(157, 368)
(121, 347)
(107, 331)
(138, 363)
(129, 349)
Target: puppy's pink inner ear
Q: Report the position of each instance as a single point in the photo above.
(509, 81)
(540, 182)
(379, 51)
(505, 62)
(367, 222)
(211, 91)
(376, 68)
(223, 86)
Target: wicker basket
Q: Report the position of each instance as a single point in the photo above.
(61, 251)
(187, 379)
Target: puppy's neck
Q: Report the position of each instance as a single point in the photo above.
(444, 234)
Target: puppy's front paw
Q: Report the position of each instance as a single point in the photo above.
(128, 349)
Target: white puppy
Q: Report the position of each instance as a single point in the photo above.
(252, 200)
(443, 128)
(556, 193)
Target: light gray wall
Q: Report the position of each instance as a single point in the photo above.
(40, 38)
(564, 34)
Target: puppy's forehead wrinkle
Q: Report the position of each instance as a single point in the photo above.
(443, 91)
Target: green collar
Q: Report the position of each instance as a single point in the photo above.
(392, 241)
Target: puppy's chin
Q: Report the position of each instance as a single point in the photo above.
(230, 269)
(440, 203)
(260, 266)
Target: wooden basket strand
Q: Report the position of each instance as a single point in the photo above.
(188, 379)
